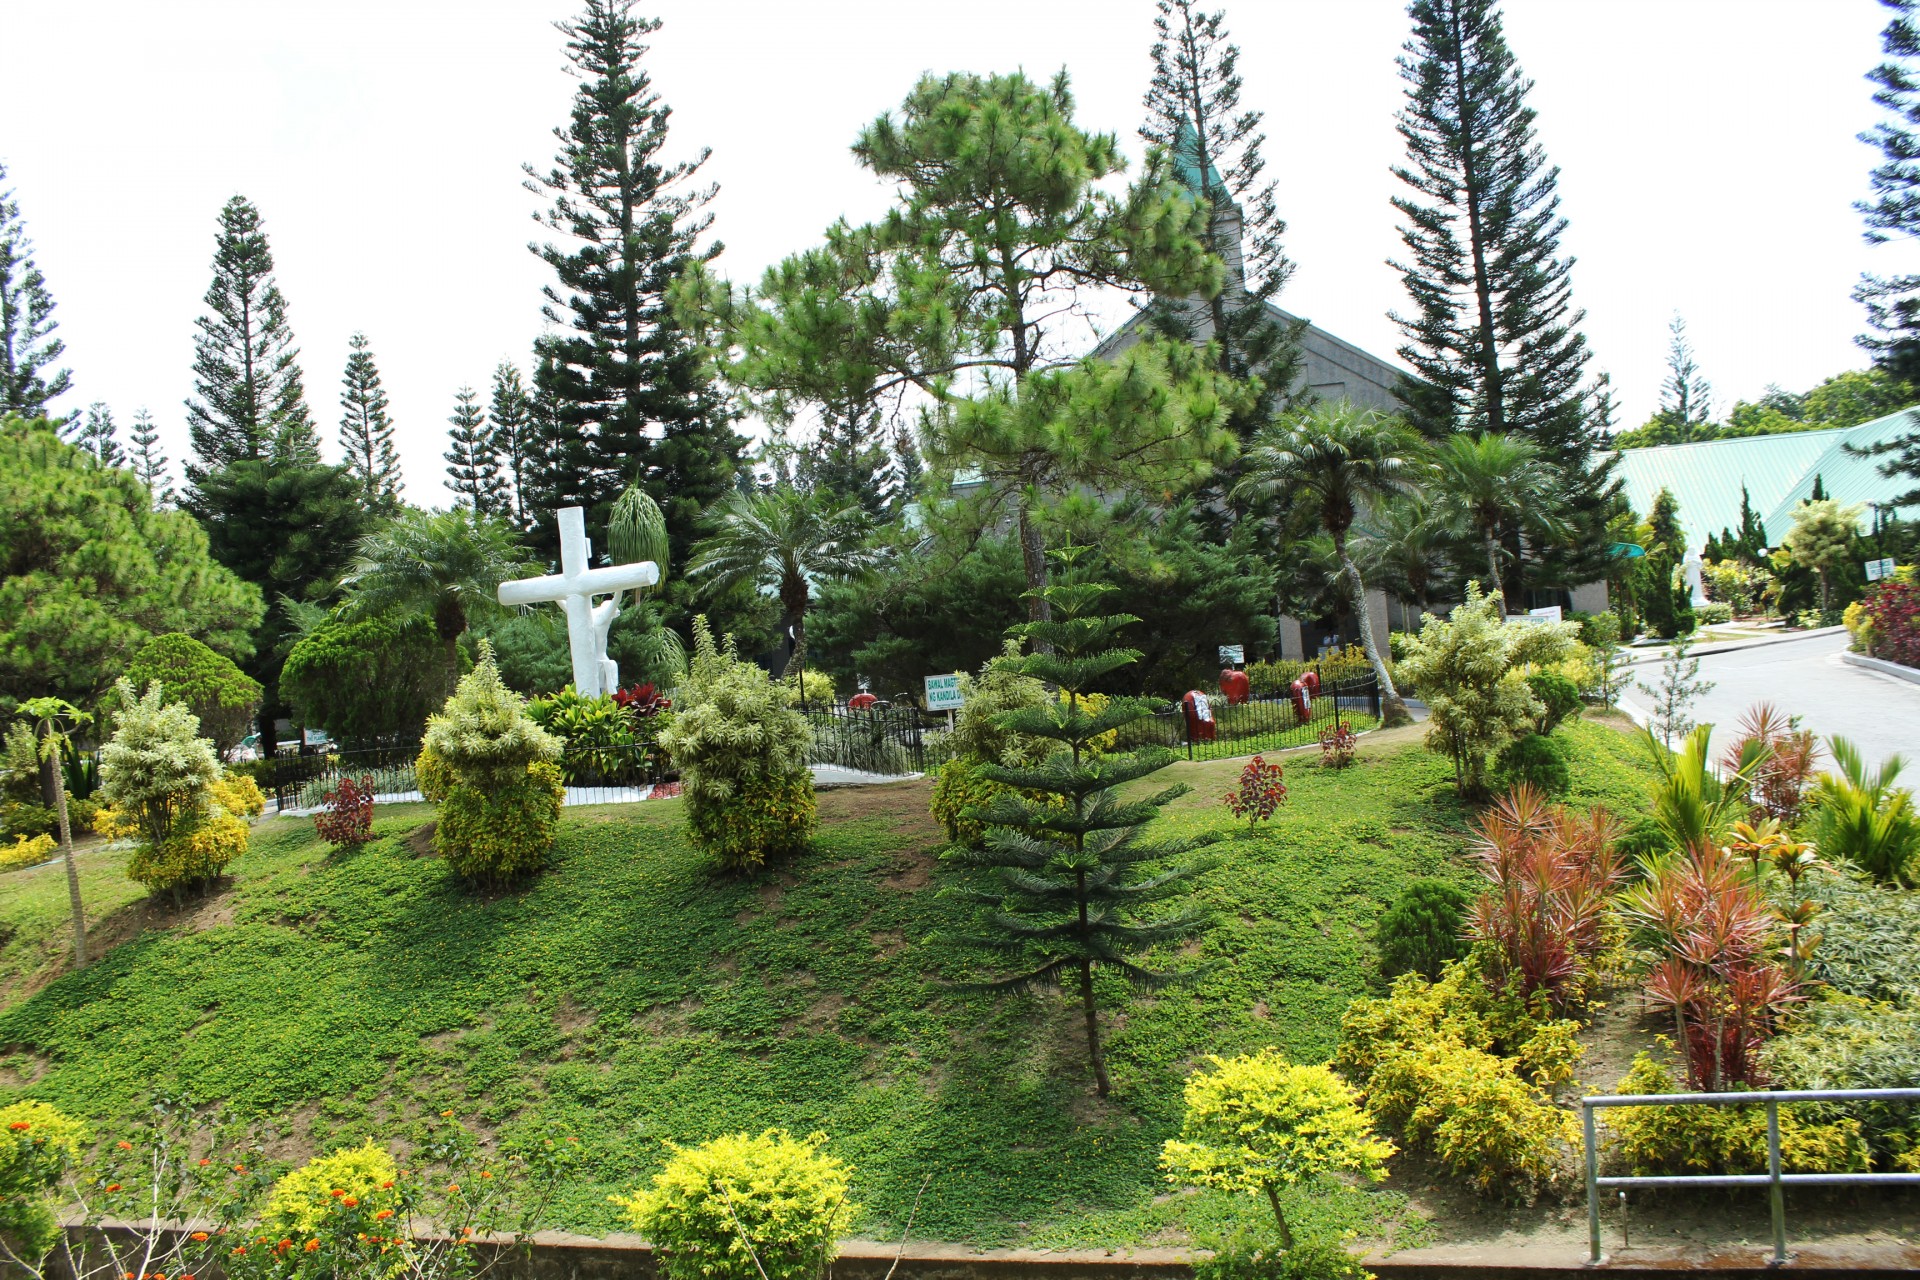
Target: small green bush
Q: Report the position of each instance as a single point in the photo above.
(303, 1200)
(37, 1145)
(221, 695)
(1723, 1140)
(761, 817)
(1249, 1256)
(1844, 1043)
(597, 733)
(1713, 612)
(156, 768)
(771, 1207)
(1537, 760)
(1559, 698)
(958, 787)
(504, 832)
(1422, 931)
(192, 857)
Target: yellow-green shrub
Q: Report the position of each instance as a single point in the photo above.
(239, 795)
(501, 832)
(818, 686)
(1721, 1140)
(432, 776)
(958, 787)
(760, 816)
(770, 1207)
(302, 1200)
(27, 852)
(37, 1144)
(192, 856)
(111, 822)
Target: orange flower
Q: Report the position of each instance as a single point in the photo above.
(336, 1193)
(383, 1215)
(113, 1186)
(351, 1203)
(126, 1146)
(186, 1275)
(445, 1114)
(204, 1162)
(239, 1168)
(453, 1186)
(240, 1252)
(387, 1185)
(485, 1174)
(199, 1235)
(286, 1244)
(313, 1246)
(20, 1126)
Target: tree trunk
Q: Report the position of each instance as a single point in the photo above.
(1493, 564)
(1033, 559)
(1393, 708)
(1092, 1016)
(1286, 1233)
(52, 767)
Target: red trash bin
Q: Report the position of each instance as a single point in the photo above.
(1199, 711)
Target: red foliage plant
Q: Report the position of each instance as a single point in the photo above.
(1260, 794)
(1784, 772)
(1336, 745)
(1894, 608)
(1544, 911)
(346, 818)
(1710, 920)
(642, 700)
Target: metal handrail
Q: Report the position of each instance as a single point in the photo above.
(1773, 1178)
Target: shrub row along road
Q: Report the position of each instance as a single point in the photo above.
(1809, 679)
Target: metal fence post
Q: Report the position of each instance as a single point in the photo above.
(1773, 1188)
(1593, 1186)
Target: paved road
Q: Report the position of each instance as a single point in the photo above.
(1879, 714)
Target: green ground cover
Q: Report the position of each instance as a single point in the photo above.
(630, 995)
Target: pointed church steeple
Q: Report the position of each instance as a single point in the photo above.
(1186, 165)
(1227, 224)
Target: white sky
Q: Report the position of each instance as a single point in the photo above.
(1706, 146)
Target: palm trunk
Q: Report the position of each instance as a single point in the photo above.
(1393, 708)
(1493, 564)
(73, 869)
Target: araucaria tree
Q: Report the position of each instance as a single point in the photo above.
(1194, 113)
(96, 432)
(366, 432)
(631, 397)
(1686, 396)
(473, 463)
(249, 404)
(148, 460)
(1071, 874)
(1339, 460)
(1493, 334)
(1893, 302)
(28, 349)
(515, 445)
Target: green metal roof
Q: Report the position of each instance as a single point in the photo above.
(1186, 163)
(1777, 470)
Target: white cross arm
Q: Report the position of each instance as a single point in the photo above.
(593, 582)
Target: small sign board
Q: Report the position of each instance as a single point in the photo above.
(1878, 569)
(1232, 655)
(313, 737)
(943, 693)
(1549, 614)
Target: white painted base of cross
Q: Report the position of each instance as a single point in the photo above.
(574, 588)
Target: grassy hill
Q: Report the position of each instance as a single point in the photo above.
(630, 995)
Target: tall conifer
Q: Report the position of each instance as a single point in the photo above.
(149, 462)
(97, 433)
(473, 465)
(366, 432)
(1193, 111)
(632, 398)
(1893, 302)
(249, 404)
(515, 442)
(28, 380)
(1686, 396)
(1493, 335)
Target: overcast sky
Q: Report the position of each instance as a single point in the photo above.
(1706, 146)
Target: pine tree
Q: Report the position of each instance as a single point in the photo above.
(1193, 112)
(514, 440)
(631, 394)
(1686, 396)
(96, 433)
(366, 432)
(1753, 534)
(28, 382)
(1073, 874)
(249, 403)
(1494, 335)
(148, 461)
(473, 464)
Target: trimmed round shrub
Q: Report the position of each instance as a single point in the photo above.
(1248, 1256)
(239, 795)
(760, 816)
(365, 682)
(771, 1207)
(501, 832)
(1422, 931)
(1538, 760)
(1559, 695)
(218, 692)
(192, 857)
(37, 1144)
(303, 1200)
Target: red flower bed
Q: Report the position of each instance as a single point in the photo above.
(1895, 610)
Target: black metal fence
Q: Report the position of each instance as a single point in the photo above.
(300, 783)
(891, 739)
(1269, 723)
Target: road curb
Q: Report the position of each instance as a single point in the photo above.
(1885, 668)
(1661, 655)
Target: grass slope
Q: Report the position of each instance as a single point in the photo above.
(631, 995)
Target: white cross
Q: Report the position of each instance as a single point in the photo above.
(574, 587)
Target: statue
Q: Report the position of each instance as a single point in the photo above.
(1696, 589)
(574, 588)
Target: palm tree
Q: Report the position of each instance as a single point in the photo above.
(1336, 459)
(1492, 484)
(446, 564)
(783, 539)
(1406, 543)
(1864, 818)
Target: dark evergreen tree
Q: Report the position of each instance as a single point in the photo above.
(1686, 396)
(1493, 336)
(473, 465)
(1753, 534)
(1664, 522)
(1819, 493)
(1193, 111)
(96, 432)
(1072, 874)
(149, 462)
(631, 395)
(516, 445)
(28, 380)
(366, 432)
(249, 404)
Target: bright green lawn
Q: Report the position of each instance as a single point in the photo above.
(632, 995)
